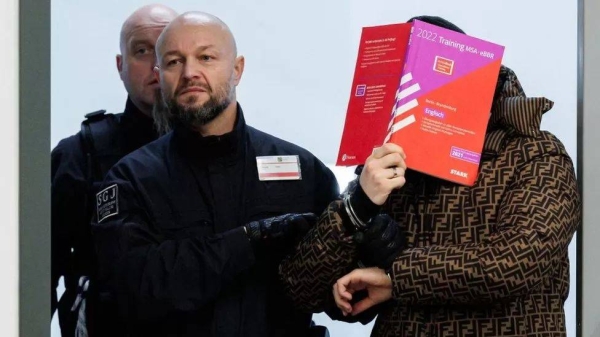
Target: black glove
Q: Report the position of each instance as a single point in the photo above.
(380, 243)
(287, 228)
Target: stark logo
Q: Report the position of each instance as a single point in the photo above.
(459, 173)
(107, 202)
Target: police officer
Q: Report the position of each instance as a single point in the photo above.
(190, 229)
(80, 161)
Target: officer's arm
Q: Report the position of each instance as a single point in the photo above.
(149, 275)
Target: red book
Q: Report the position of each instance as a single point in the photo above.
(373, 95)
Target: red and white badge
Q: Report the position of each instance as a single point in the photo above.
(278, 168)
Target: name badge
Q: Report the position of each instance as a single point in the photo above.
(278, 168)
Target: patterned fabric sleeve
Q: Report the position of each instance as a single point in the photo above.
(325, 254)
(536, 221)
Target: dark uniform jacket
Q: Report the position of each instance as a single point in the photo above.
(73, 200)
(486, 260)
(172, 252)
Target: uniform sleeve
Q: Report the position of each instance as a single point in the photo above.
(68, 204)
(150, 276)
(536, 221)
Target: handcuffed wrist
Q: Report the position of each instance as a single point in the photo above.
(358, 208)
(363, 207)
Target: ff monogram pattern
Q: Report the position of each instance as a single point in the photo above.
(486, 260)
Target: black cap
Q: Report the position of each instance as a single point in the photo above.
(438, 21)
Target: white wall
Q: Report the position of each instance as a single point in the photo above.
(300, 60)
(9, 187)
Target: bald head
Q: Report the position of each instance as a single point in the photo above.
(200, 20)
(154, 15)
(136, 61)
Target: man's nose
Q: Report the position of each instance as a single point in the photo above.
(192, 70)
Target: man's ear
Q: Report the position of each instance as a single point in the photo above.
(238, 69)
(119, 60)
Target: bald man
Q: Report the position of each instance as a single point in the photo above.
(190, 228)
(80, 162)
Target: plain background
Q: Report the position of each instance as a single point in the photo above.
(299, 65)
(9, 177)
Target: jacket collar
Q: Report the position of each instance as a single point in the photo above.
(132, 112)
(229, 145)
(513, 113)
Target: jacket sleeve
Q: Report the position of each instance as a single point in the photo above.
(150, 276)
(69, 215)
(535, 223)
(324, 255)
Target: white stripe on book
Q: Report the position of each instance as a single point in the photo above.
(406, 78)
(408, 91)
(403, 123)
(405, 107)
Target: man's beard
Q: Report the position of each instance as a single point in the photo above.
(193, 117)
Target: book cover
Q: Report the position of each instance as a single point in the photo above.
(377, 74)
(444, 102)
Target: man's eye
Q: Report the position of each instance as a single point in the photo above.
(172, 62)
(206, 57)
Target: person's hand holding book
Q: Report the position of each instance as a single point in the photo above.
(383, 172)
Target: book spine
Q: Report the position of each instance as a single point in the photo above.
(405, 77)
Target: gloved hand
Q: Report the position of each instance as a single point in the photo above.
(287, 229)
(380, 243)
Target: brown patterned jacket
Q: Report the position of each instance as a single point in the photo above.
(487, 260)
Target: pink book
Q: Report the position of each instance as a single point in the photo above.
(444, 102)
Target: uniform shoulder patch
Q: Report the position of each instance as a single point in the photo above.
(107, 202)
